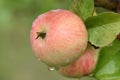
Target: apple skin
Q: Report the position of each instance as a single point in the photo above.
(82, 66)
(58, 37)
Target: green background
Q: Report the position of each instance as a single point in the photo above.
(17, 61)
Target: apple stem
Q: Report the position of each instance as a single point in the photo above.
(41, 34)
(96, 47)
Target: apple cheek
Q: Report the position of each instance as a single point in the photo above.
(88, 63)
(82, 66)
(65, 47)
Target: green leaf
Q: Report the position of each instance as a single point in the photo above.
(103, 28)
(108, 66)
(83, 8)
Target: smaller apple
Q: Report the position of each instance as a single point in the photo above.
(83, 66)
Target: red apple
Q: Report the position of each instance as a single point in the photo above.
(58, 37)
(82, 66)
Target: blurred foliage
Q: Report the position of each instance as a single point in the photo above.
(17, 61)
(16, 11)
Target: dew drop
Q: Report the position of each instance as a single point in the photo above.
(51, 68)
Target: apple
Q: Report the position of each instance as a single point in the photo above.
(58, 37)
(82, 66)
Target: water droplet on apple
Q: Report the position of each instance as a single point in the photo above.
(51, 68)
